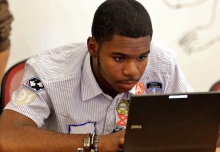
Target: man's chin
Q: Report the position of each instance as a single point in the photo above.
(124, 90)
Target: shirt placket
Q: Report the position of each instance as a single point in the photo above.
(110, 116)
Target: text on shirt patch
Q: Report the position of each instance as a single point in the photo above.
(25, 96)
(154, 88)
(35, 84)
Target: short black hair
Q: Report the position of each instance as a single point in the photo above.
(123, 17)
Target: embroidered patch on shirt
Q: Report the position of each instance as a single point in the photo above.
(122, 120)
(122, 107)
(154, 88)
(121, 112)
(35, 84)
(25, 96)
(139, 89)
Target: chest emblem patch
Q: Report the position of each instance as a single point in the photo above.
(122, 107)
(154, 88)
(139, 89)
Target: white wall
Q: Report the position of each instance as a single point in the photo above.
(44, 24)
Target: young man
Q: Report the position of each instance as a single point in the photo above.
(78, 89)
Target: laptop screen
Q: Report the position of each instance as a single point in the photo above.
(173, 122)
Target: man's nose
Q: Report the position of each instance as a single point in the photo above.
(130, 69)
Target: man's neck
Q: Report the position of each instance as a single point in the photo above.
(103, 84)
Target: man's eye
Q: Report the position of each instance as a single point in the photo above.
(142, 57)
(120, 59)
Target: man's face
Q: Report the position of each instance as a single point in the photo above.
(120, 63)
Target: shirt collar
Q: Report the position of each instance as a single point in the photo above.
(89, 85)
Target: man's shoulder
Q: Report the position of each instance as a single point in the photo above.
(161, 57)
(59, 62)
(73, 47)
(158, 49)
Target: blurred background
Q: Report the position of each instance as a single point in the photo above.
(191, 28)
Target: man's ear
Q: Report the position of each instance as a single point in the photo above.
(92, 47)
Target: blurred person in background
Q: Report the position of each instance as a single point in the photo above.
(5, 28)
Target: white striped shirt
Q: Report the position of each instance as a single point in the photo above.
(71, 95)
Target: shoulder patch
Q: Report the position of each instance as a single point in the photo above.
(34, 84)
(154, 88)
(25, 96)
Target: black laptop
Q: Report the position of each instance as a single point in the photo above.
(173, 123)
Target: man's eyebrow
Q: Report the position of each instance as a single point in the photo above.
(119, 53)
(146, 53)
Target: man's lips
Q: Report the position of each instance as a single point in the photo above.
(128, 84)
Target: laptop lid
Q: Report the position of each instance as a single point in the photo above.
(178, 122)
